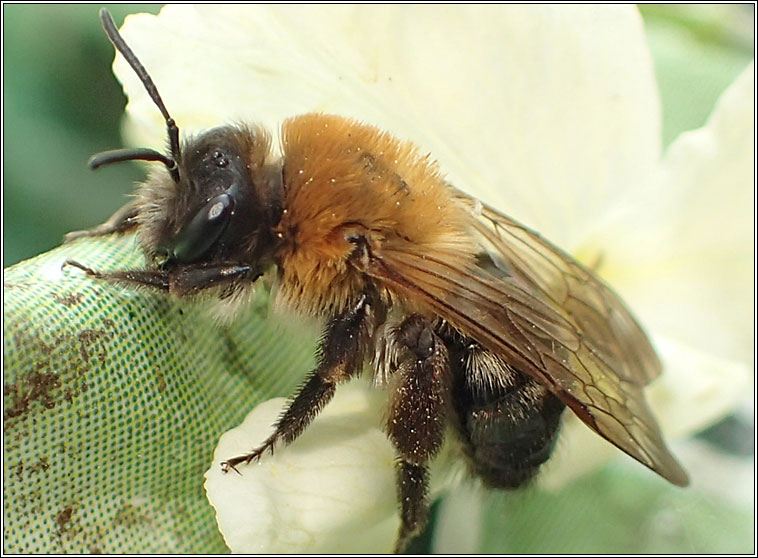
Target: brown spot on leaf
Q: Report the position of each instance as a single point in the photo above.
(69, 300)
(42, 464)
(130, 515)
(88, 339)
(37, 383)
(64, 517)
(37, 386)
(161, 378)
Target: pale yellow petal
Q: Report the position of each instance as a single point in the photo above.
(331, 491)
(684, 254)
(550, 113)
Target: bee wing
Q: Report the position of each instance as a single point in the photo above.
(550, 318)
(607, 326)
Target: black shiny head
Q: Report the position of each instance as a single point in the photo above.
(221, 198)
(225, 204)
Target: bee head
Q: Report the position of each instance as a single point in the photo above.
(221, 209)
(216, 198)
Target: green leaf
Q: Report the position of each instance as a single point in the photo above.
(114, 400)
(615, 511)
(698, 52)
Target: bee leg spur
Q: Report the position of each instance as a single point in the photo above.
(416, 423)
(341, 355)
(124, 220)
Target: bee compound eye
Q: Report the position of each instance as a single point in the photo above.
(204, 229)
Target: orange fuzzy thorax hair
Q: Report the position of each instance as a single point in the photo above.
(342, 177)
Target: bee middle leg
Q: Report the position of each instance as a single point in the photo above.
(341, 356)
(417, 418)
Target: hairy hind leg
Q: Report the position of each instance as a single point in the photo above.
(417, 418)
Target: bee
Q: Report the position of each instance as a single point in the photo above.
(476, 325)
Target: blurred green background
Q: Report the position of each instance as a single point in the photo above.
(61, 104)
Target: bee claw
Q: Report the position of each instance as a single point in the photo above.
(74, 235)
(88, 270)
(67, 263)
(226, 466)
(254, 455)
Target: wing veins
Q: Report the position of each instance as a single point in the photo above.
(445, 309)
(544, 312)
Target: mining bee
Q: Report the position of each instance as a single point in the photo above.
(473, 323)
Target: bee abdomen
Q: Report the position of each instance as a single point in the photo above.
(507, 422)
(507, 439)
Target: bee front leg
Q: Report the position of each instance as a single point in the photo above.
(124, 220)
(181, 282)
(417, 418)
(136, 277)
(341, 356)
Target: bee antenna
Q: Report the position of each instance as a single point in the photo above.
(173, 130)
(136, 154)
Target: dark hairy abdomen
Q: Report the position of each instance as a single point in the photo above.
(507, 421)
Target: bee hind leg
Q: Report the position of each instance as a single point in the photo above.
(417, 418)
(124, 220)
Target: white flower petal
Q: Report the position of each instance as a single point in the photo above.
(459, 521)
(328, 492)
(550, 113)
(252, 63)
(683, 255)
(696, 390)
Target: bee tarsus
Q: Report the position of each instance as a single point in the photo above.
(248, 458)
(122, 221)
